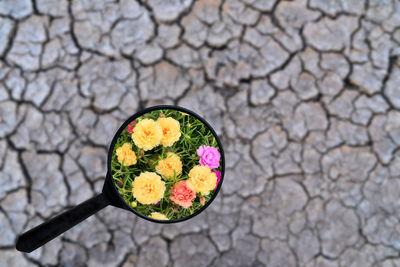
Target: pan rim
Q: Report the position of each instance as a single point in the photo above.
(123, 127)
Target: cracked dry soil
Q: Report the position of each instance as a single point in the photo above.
(305, 95)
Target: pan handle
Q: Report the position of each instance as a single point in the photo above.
(43, 233)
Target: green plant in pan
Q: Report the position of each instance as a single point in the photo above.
(166, 164)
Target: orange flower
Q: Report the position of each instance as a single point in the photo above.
(182, 194)
(202, 180)
(171, 131)
(148, 188)
(126, 155)
(147, 134)
(169, 166)
(158, 216)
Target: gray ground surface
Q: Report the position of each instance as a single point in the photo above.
(305, 95)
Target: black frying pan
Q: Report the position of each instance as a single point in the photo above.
(43, 233)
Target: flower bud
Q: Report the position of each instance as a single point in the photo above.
(202, 201)
(141, 153)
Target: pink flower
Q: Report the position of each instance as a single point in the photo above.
(130, 127)
(182, 194)
(218, 174)
(209, 156)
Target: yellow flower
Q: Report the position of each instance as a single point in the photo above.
(147, 134)
(126, 155)
(158, 216)
(171, 130)
(167, 166)
(202, 180)
(148, 188)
